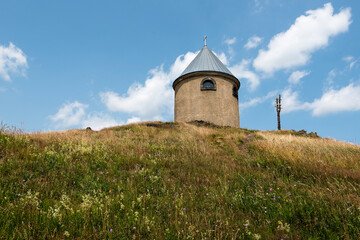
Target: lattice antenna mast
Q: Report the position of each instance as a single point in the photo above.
(278, 110)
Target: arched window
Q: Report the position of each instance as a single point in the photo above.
(208, 84)
(235, 91)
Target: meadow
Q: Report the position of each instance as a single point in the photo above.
(177, 181)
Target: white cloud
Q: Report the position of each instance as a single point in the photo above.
(255, 101)
(12, 60)
(230, 41)
(351, 65)
(258, 6)
(291, 102)
(149, 100)
(98, 121)
(351, 60)
(330, 78)
(296, 76)
(253, 42)
(74, 115)
(334, 101)
(309, 33)
(183, 61)
(153, 99)
(348, 58)
(241, 71)
(133, 120)
(70, 114)
(331, 102)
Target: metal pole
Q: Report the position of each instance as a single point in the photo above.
(278, 109)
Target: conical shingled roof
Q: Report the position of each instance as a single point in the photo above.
(206, 61)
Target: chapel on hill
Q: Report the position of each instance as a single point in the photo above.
(207, 91)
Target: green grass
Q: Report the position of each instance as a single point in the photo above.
(177, 181)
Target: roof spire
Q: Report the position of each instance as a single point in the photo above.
(205, 37)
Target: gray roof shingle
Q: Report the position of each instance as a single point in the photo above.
(206, 61)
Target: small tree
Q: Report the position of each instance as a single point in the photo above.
(278, 109)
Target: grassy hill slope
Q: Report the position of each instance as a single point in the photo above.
(170, 181)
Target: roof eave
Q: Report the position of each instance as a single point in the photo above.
(230, 76)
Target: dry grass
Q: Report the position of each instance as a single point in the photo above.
(177, 180)
(323, 153)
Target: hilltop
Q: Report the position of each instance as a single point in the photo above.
(177, 180)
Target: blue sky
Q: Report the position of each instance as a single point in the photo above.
(73, 64)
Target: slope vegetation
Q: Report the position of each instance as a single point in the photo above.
(177, 181)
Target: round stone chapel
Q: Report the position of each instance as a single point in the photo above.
(207, 91)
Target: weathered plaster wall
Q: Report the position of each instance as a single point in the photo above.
(219, 107)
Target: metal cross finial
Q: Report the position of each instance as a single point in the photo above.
(205, 40)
